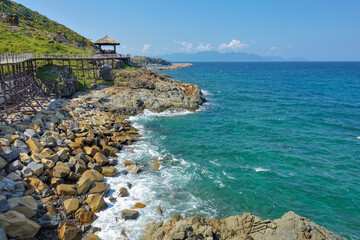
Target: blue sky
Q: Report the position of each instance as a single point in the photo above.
(312, 29)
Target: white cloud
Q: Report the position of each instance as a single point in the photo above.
(274, 48)
(234, 45)
(146, 47)
(204, 47)
(187, 47)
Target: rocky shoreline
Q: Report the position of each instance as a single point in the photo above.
(53, 165)
(173, 66)
(246, 227)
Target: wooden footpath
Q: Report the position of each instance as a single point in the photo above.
(20, 91)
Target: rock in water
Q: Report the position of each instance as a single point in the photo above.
(123, 192)
(129, 214)
(18, 226)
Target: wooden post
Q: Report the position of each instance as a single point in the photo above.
(82, 65)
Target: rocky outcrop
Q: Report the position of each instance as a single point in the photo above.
(173, 66)
(140, 89)
(142, 60)
(246, 227)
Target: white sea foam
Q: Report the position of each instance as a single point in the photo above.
(168, 113)
(206, 93)
(165, 187)
(227, 175)
(260, 169)
(215, 163)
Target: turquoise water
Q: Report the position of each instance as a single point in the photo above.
(273, 137)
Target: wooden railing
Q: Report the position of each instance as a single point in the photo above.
(13, 58)
(10, 58)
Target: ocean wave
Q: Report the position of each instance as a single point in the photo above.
(164, 188)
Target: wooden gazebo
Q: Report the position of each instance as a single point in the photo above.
(106, 41)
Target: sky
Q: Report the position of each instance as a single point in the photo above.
(318, 30)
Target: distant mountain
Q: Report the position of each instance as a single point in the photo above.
(214, 56)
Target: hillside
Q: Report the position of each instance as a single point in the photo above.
(35, 32)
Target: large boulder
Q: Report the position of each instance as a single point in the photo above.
(84, 216)
(10, 188)
(96, 203)
(101, 159)
(109, 171)
(34, 145)
(66, 190)
(61, 170)
(33, 168)
(71, 205)
(93, 175)
(83, 185)
(50, 220)
(100, 188)
(9, 153)
(26, 205)
(70, 232)
(38, 185)
(18, 226)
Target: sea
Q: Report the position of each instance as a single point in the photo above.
(272, 137)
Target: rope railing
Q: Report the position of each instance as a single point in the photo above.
(11, 58)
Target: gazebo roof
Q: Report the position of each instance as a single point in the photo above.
(106, 41)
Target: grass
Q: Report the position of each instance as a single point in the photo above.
(44, 74)
(35, 31)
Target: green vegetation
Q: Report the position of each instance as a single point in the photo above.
(35, 32)
(142, 60)
(44, 74)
